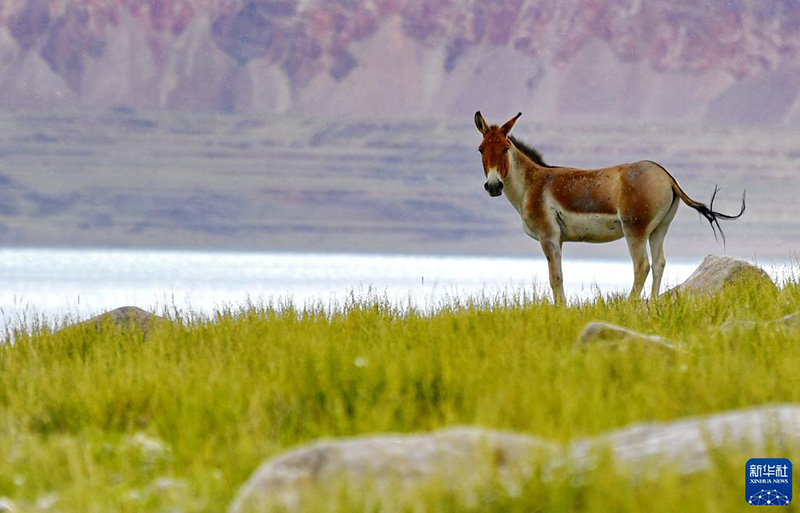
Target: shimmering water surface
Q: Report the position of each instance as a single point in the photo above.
(57, 284)
(316, 186)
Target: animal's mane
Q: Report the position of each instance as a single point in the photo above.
(530, 152)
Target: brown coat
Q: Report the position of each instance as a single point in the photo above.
(637, 201)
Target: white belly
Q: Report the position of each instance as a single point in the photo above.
(580, 227)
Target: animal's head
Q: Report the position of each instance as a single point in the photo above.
(494, 152)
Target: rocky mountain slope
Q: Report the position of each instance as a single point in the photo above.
(721, 61)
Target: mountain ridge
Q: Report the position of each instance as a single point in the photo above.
(735, 62)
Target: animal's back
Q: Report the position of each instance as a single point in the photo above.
(602, 191)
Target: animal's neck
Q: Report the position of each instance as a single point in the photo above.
(514, 184)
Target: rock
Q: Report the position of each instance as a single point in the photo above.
(609, 335)
(788, 321)
(46, 501)
(460, 455)
(687, 444)
(319, 44)
(126, 316)
(249, 33)
(69, 45)
(150, 449)
(6, 505)
(715, 272)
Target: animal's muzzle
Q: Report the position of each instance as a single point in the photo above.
(494, 189)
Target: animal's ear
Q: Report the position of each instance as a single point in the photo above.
(480, 123)
(506, 128)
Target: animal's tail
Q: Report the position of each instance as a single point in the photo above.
(708, 211)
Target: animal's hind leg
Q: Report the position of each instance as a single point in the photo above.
(657, 248)
(659, 261)
(637, 246)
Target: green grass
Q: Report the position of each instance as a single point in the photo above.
(110, 421)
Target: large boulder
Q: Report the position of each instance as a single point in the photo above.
(688, 444)
(715, 272)
(460, 455)
(466, 456)
(608, 335)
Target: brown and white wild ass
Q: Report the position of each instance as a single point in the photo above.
(560, 204)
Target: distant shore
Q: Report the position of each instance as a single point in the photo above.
(127, 179)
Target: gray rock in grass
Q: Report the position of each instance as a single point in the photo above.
(454, 456)
(685, 445)
(611, 336)
(715, 272)
(126, 317)
(6, 505)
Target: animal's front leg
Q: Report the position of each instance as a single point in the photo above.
(552, 251)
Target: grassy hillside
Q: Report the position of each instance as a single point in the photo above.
(177, 419)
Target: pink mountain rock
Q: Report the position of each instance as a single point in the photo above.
(597, 59)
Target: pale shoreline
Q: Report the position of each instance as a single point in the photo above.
(62, 285)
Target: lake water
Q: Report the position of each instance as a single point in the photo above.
(56, 284)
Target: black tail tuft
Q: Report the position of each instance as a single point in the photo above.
(714, 217)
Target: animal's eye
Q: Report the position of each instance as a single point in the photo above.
(505, 150)
(480, 150)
